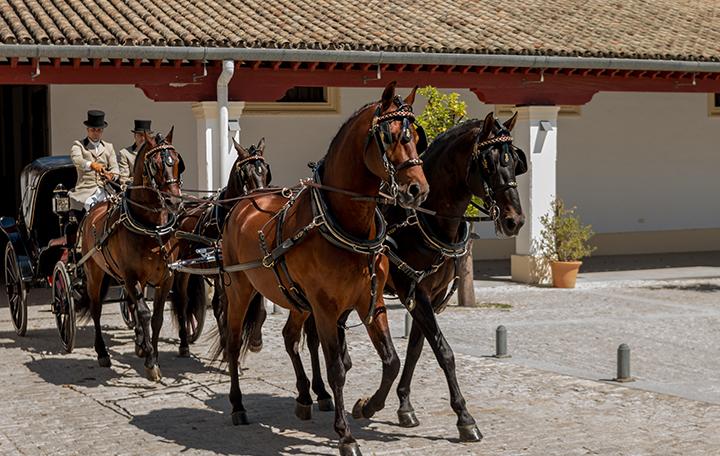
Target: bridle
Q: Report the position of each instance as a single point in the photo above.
(482, 153)
(380, 132)
(150, 168)
(243, 173)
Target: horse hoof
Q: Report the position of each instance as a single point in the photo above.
(255, 347)
(153, 373)
(239, 418)
(184, 352)
(350, 449)
(302, 411)
(326, 405)
(140, 352)
(407, 419)
(104, 361)
(357, 412)
(469, 433)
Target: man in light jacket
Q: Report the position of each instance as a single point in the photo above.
(126, 157)
(94, 160)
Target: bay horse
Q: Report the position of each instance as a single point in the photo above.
(322, 247)
(133, 244)
(477, 158)
(249, 172)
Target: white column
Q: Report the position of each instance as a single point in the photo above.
(536, 133)
(211, 163)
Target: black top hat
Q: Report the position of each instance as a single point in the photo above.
(95, 119)
(141, 126)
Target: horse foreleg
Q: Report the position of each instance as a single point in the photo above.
(152, 364)
(135, 291)
(97, 285)
(424, 315)
(332, 349)
(406, 412)
(379, 333)
(291, 334)
(324, 399)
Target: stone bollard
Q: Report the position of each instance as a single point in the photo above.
(408, 325)
(623, 364)
(501, 342)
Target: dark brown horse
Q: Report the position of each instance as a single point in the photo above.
(249, 172)
(474, 158)
(133, 242)
(323, 246)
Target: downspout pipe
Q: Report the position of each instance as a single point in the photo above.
(350, 56)
(225, 160)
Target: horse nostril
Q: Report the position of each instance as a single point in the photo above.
(510, 223)
(414, 190)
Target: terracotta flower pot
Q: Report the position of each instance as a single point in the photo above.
(564, 273)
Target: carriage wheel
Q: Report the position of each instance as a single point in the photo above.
(127, 315)
(64, 306)
(195, 320)
(16, 291)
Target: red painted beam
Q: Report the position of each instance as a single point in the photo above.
(257, 82)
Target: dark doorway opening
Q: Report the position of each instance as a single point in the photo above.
(24, 136)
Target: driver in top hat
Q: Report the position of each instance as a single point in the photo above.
(126, 157)
(94, 160)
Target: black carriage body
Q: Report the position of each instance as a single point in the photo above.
(36, 224)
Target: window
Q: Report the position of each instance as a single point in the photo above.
(714, 104)
(300, 100)
(565, 110)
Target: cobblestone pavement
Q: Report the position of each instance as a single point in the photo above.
(545, 400)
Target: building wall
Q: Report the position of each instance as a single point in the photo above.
(122, 104)
(632, 163)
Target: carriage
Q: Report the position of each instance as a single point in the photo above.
(37, 253)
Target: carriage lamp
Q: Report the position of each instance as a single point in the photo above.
(61, 200)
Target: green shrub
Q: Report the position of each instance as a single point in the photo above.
(564, 237)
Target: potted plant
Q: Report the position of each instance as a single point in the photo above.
(564, 243)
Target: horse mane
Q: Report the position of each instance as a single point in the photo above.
(445, 139)
(139, 163)
(342, 128)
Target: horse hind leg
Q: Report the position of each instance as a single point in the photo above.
(325, 402)
(292, 334)
(180, 304)
(239, 294)
(143, 346)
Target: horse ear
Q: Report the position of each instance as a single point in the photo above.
(241, 151)
(388, 95)
(261, 146)
(488, 125)
(168, 137)
(149, 140)
(410, 99)
(510, 123)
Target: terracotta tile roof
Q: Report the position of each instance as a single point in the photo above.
(645, 29)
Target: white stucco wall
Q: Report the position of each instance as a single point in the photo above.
(630, 162)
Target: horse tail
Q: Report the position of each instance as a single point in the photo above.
(250, 324)
(176, 307)
(84, 307)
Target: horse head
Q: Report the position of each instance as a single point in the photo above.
(250, 170)
(494, 165)
(391, 152)
(163, 167)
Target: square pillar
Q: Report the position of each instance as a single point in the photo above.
(213, 166)
(535, 133)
